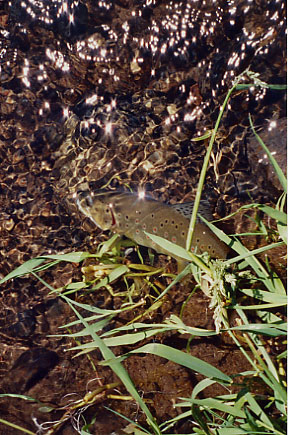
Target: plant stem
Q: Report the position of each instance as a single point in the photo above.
(205, 166)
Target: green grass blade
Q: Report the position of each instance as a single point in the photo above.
(184, 359)
(265, 296)
(242, 251)
(118, 369)
(201, 386)
(31, 265)
(233, 431)
(257, 410)
(215, 404)
(259, 328)
(112, 276)
(205, 166)
(252, 85)
(25, 268)
(282, 230)
(16, 427)
(178, 251)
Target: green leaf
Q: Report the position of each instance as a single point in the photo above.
(203, 137)
(232, 431)
(172, 248)
(25, 268)
(244, 253)
(106, 246)
(183, 359)
(30, 265)
(259, 328)
(252, 85)
(278, 215)
(117, 367)
(71, 257)
(215, 404)
(112, 276)
(178, 251)
(265, 296)
(282, 230)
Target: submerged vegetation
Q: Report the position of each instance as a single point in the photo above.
(242, 284)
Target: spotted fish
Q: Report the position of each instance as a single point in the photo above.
(129, 214)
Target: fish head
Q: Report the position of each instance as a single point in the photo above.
(111, 210)
(97, 206)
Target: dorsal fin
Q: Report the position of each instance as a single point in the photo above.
(186, 208)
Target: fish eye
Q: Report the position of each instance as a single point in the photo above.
(166, 221)
(161, 224)
(176, 226)
(183, 233)
(197, 240)
(152, 215)
(172, 222)
(209, 247)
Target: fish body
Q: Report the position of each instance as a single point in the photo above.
(131, 215)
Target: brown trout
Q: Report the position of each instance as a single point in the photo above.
(129, 214)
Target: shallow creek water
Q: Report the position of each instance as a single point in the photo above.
(97, 93)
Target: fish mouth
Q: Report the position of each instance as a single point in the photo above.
(84, 195)
(84, 203)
